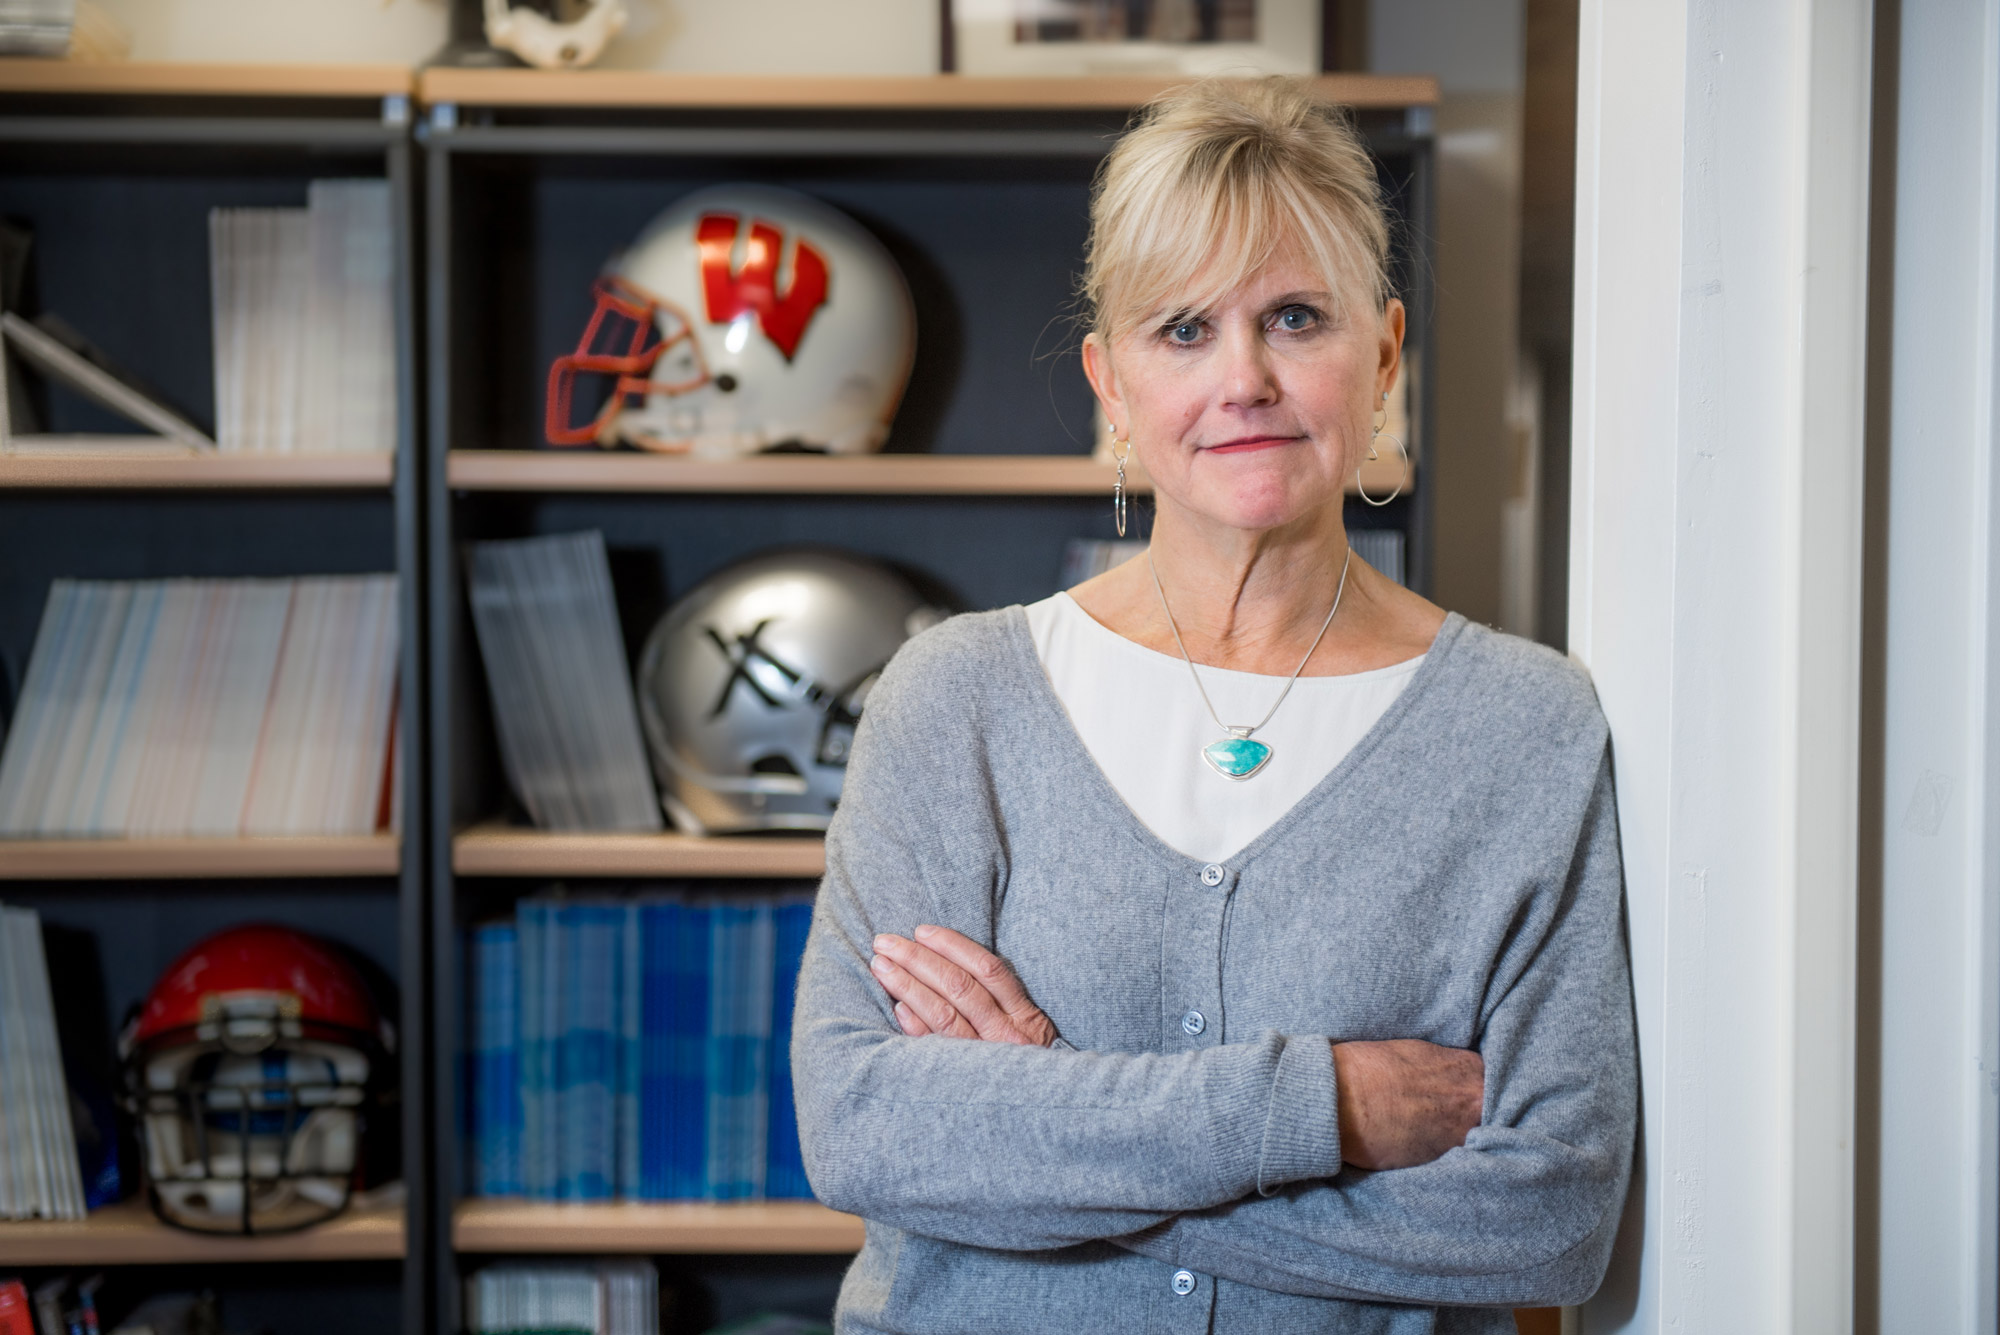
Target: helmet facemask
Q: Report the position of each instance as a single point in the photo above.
(647, 348)
(252, 1121)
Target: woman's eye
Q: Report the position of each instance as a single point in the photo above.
(1187, 331)
(1297, 319)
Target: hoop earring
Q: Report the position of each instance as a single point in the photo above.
(1401, 449)
(1118, 488)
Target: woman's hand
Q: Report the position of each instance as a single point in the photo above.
(946, 983)
(1404, 1102)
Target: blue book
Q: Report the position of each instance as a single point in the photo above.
(739, 1048)
(687, 1100)
(535, 921)
(586, 1050)
(630, 1057)
(528, 923)
(496, 1081)
(784, 1165)
(658, 921)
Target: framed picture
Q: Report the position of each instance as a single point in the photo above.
(1108, 37)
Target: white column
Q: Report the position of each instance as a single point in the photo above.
(1715, 595)
(1940, 872)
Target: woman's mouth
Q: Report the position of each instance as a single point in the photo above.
(1245, 444)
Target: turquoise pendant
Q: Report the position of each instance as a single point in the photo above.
(1236, 757)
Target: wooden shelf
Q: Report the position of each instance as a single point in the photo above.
(816, 475)
(499, 850)
(155, 78)
(145, 464)
(924, 92)
(181, 859)
(674, 1226)
(865, 474)
(128, 1233)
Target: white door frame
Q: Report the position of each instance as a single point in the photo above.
(1722, 165)
(1938, 1133)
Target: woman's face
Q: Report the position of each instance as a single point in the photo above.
(1252, 414)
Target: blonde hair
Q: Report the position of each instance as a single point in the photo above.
(1212, 180)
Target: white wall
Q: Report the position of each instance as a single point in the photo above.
(282, 31)
(1940, 868)
(1714, 594)
(740, 36)
(780, 37)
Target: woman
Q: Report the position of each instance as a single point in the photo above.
(1232, 943)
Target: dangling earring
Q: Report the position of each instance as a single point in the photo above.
(1374, 436)
(1118, 488)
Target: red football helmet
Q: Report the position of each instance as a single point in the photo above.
(251, 1067)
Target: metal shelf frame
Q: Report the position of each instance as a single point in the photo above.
(469, 477)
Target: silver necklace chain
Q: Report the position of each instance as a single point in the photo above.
(1240, 731)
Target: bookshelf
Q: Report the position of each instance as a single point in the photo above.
(639, 90)
(115, 169)
(208, 859)
(111, 463)
(699, 1227)
(498, 850)
(128, 1234)
(865, 475)
(977, 185)
(175, 79)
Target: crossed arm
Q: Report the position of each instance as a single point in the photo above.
(1403, 1102)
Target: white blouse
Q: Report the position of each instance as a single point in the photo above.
(1144, 724)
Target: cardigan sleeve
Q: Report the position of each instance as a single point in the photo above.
(1524, 1213)
(990, 1144)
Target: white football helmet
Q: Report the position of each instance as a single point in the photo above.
(745, 318)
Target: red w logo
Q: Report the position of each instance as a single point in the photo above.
(754, 288)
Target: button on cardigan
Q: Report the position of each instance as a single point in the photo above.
(1455, 878)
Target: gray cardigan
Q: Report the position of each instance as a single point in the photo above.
(1456, 878)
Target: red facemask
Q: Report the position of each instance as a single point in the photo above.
(622, 341)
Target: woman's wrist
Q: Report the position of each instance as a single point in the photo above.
(1404, 1102)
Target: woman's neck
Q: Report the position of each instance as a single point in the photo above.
(1253, 601)
(1248, 596)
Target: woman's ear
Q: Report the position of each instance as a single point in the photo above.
(1389, 362)
(1097, 369)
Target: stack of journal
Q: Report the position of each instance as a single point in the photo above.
(39, 1173)
(562, 693)
(610, 1298)
(637, 1049)
(213, 707)
(305, 348)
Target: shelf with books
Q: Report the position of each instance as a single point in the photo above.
(141, 464)
(120, 187)
(696, 1227)
(129, 1233)
(184, 859)
(502, 850)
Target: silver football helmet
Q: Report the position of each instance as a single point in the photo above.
(750, 686)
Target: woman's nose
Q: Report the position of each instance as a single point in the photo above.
(1247, 381)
